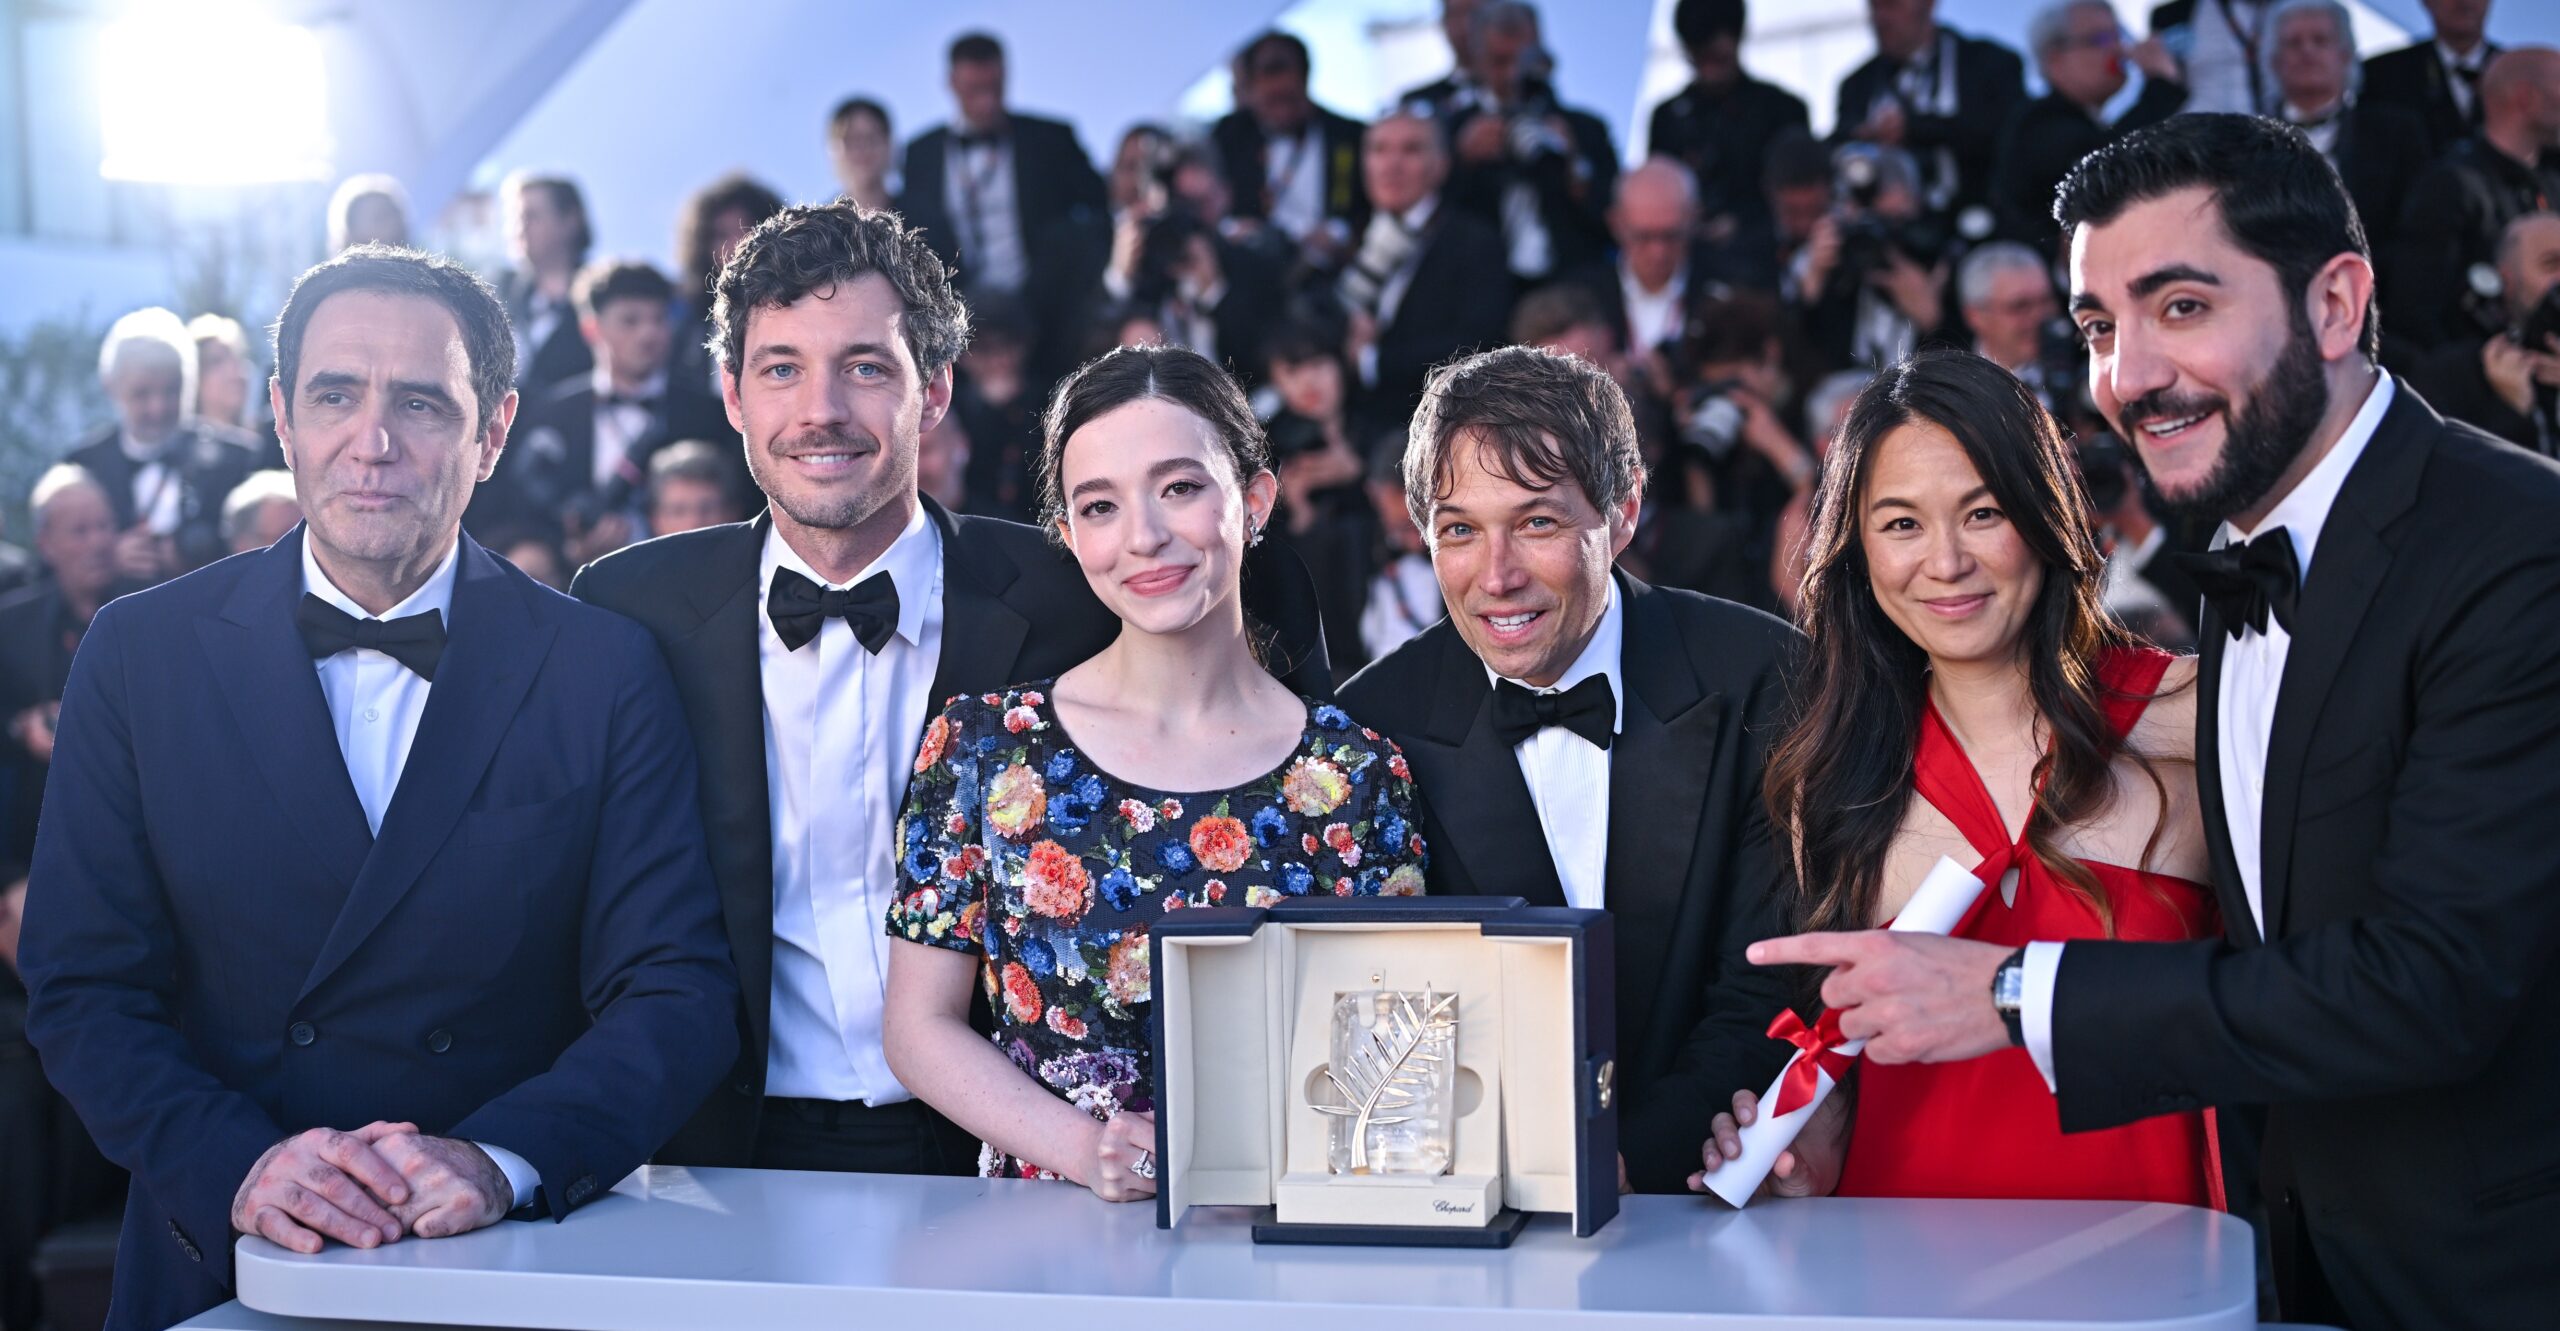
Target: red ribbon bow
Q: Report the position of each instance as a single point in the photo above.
(1821, 1045)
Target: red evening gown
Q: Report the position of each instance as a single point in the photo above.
(1987, 1127)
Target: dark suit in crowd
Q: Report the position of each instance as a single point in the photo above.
(1061, 204)
(2455, 213)
(1459, 300)
(1243, 148)
(1692, 874)
(2048, 137)
(221, 955)
(2455, 384)
(1014, 609)
(2380, 152)
(1573, 184)
(38, 634)
(550, 462)
(563, 352)
(2404, 983)
(1722, 136)
(1989, 85)
(204, 463)
(2414, 79)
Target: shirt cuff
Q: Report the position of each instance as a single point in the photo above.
(522, 1177)
(2035, 1006)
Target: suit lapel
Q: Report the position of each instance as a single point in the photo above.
(1658, 769)
(268, 681)
(2238, 924)
(2348, 565)
(720, 666)
(978, 627)
(1480, 797)
(492, 652)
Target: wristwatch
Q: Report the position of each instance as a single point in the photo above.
(2009, 993)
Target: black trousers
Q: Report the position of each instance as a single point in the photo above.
(854, 1138)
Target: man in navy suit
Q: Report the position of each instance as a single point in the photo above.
(370, 899)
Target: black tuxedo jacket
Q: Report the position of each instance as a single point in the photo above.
(34, 662)
(2381, 151)
(1459, 300)
(221, 953)
(1013, 609)
(1573, 192)
(2394, 1017)
(210, 460)
(1345, 196)
(2414, 80)
(1692, 874)
(563, 355)
(1991, 84)
(550, 456)
(1723, 138)
(2044, 140)
(1052, 181)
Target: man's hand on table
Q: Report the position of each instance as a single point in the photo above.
(454, 1187)
(369, 1187)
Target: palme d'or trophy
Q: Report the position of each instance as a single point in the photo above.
(1393, 1076)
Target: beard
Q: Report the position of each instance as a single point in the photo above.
(827, 511)
(2285, 407)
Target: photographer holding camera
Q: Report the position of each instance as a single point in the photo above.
(1542, 172)
(1872, 277)
(2507, 383)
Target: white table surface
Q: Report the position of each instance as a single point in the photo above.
(676, 1250)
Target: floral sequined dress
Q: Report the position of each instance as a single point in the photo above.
(1016, 846)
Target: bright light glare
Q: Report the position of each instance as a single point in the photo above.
(208, 95)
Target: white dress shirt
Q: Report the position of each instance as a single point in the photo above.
(1294, 171)
(841, 728)
(2464, 91)
(978, 188)
(2227, 38)
(1653, 317)
(1410, 224)
(374, 706)
(1568, 775)
(619, 425)
(156, 485)
(2245, 710)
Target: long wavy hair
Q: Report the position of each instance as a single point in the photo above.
(1840, 779)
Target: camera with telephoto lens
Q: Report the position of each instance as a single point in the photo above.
(1869, 240)
(2539, 333)
(1715, 419)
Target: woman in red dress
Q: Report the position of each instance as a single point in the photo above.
(1953, 598)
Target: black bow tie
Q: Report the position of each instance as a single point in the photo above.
(799, 608)
(987, 140)
(1587, 709)
(415, 641)
(2250, 581)
(646, 401)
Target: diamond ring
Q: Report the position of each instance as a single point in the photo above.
(1146, 1166)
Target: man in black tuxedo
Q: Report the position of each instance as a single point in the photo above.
(2459, 206)
(579, 454)
(40, 627)
(1937, 94)
(1540, 172)
(369, 899)
(2438, 79)
(1427, 281)
(1293, 165)
(1721, 125)
(1010, 199)
(2498, 383)
(165, 472)
(2380, 700)
(1579, 738)
(1648, 287)
(2379, 149)
(2079, 48)
(811, 646)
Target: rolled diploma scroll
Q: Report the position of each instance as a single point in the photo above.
(1938, 906)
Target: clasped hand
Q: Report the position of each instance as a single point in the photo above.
(368, 1187)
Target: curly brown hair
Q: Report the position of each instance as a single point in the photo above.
(816, 247)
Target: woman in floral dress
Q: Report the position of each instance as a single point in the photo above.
(1048, 825)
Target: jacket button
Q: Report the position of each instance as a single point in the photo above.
(439, 1041)
(301, 1033)
(745, 1088)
